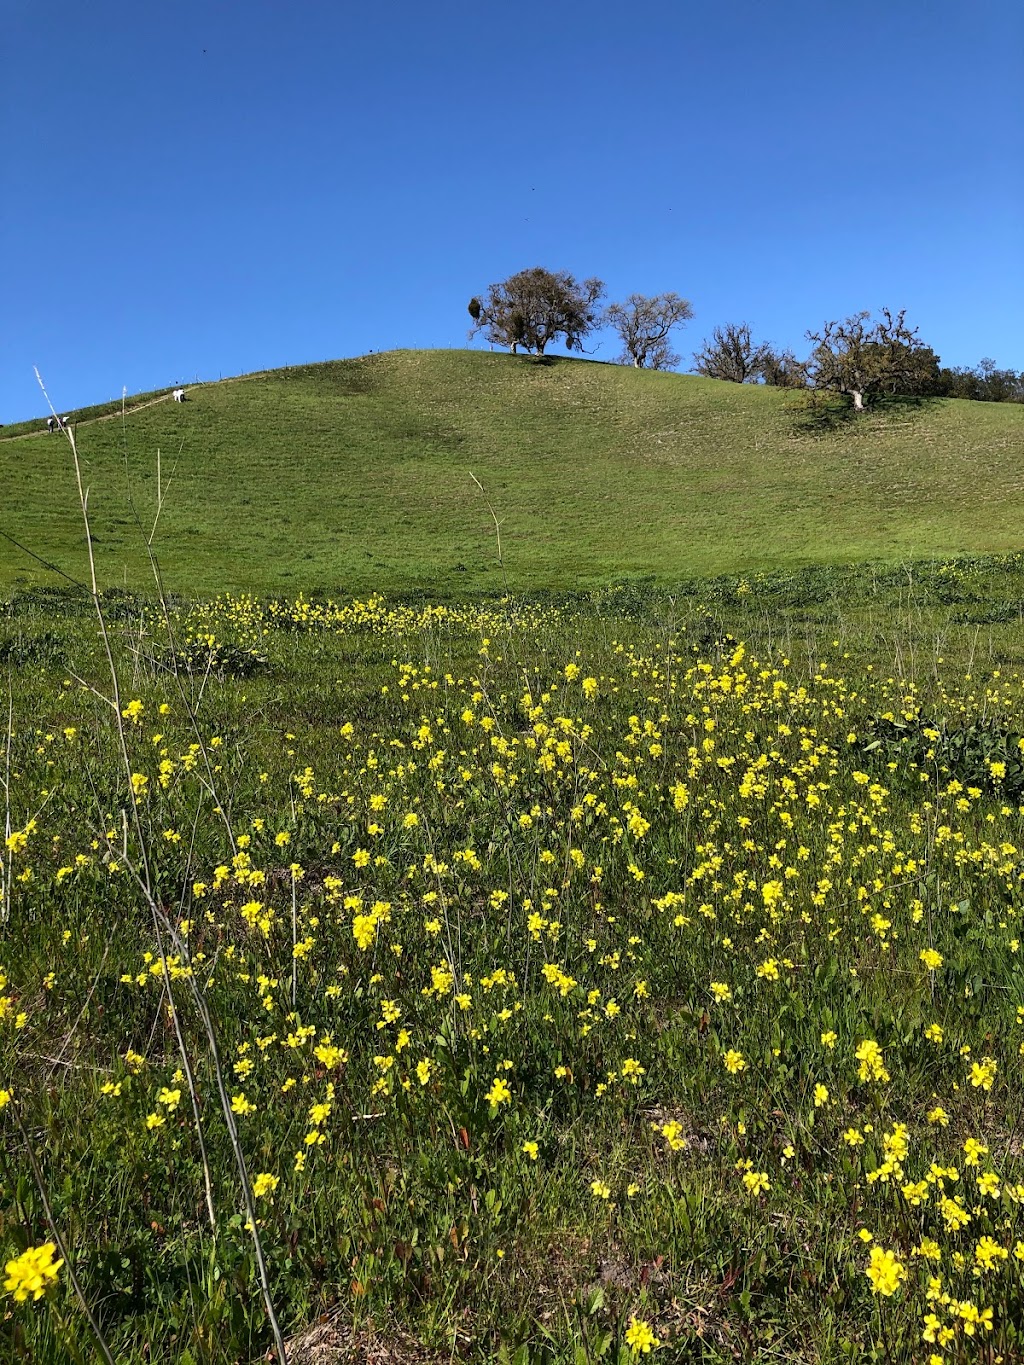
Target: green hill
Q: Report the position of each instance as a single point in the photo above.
(356, 475)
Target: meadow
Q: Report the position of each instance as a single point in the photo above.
(609, 951)
(611, 974)
(360, 473)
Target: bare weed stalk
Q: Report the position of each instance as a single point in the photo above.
(142, 874)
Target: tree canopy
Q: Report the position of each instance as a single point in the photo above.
(782, 370)
(986, 383)
(863, 360)
(535, 307)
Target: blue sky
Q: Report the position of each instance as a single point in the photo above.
(218, 187)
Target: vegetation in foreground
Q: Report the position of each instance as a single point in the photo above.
(619, 977)
(358, 473)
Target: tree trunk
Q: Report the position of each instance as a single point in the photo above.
(858, 400)
(638, 362)
(512, 348)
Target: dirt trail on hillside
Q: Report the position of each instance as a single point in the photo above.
(86, 421)
(137, 407)
(127, 412)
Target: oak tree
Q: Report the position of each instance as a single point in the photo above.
(782, 370)
(730, 353)
(533, 308)
(643, 324)
(863, 360)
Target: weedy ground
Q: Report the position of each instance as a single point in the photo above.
(630, 972)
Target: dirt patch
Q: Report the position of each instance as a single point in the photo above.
(332, 1341)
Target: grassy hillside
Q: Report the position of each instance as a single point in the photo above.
(356, 475)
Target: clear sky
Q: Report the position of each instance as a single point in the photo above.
(214, 187)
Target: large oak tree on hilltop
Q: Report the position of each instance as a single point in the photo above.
(535, 307)
(863, 361)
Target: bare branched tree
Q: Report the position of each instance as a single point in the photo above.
(729, 353)
(535, 307)
(643, 324)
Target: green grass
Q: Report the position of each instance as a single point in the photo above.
(420, 1224)
(355, 475)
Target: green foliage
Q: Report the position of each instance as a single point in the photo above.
(985, 383)
(979, 753)
(18, 650)
(535, 307)
(199, 658)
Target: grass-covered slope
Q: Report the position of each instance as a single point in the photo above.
(356, 475)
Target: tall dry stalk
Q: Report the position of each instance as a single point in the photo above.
(142, 875)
